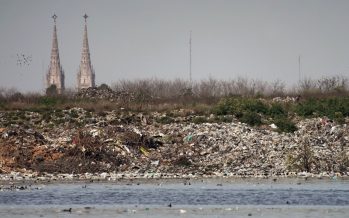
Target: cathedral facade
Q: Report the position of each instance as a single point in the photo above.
(55, 75)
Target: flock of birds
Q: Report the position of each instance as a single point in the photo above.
(23, 60)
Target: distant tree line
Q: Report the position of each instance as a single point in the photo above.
(210, 88)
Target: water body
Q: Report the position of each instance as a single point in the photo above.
(210, 198)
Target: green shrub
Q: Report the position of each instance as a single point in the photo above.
(222, 119)
(323, 107)
(307, 108)
(164, 120)
(251, 118)
(339, 118)
(52, 90)
(224, 106)
(254, 106)
(48, 101)
(285, 125)
(277, 109)
(237, 106)
(199, 119)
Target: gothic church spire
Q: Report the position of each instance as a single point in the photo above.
(86, 74)
(55, 74)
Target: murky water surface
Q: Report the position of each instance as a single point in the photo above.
(211, 198)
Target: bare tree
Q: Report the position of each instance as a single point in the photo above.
(277, 88)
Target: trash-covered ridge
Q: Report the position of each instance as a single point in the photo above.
(79, 142)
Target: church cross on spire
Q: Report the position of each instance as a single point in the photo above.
(85, 17)
(54, 17)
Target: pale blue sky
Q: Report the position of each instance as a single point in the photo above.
(130, 39)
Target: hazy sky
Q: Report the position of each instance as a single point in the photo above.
(130, 39)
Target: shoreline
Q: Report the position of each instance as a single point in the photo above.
(18, 178)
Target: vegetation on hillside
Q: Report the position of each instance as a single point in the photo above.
(250, 101)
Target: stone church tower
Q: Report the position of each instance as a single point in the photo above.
(86, 73)
(55, 74)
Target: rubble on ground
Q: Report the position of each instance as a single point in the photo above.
(78, 143)
(286, 99)
(105, 93)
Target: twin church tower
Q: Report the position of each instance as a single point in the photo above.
(55, 74)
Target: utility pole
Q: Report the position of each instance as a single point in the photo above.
(299, 69)
(190, 76)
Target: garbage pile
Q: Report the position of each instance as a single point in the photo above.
(83, 150)
(106, 93)
(286, 99)
(76, 141)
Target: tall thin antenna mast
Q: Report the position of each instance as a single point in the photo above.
(190, 76)
(299, 69)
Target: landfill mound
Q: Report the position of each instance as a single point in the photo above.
(77, 141)
(105, 93)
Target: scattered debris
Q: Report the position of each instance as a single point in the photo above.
(106, 93)
(273, 126)
(74, 143)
